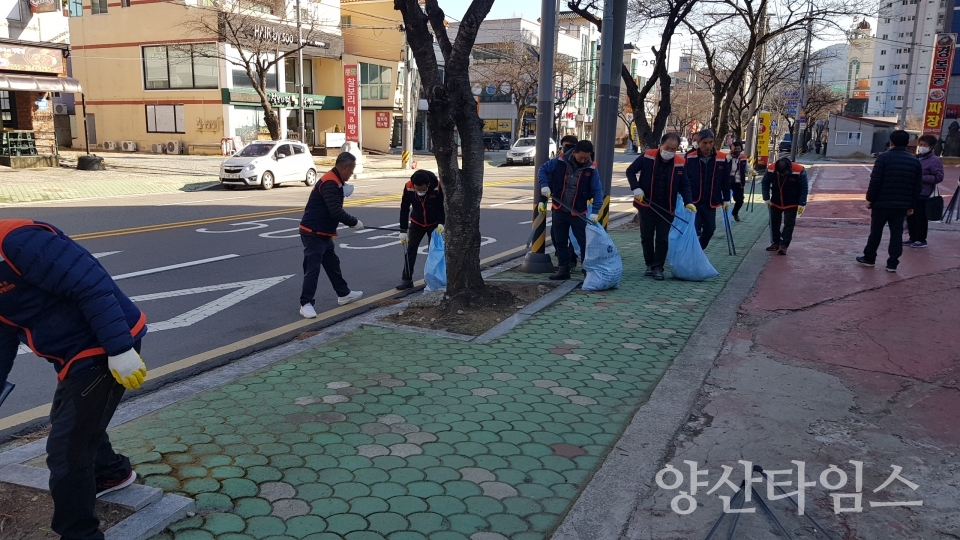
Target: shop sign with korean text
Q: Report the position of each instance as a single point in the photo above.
(351, 102)
(936, 107)
(32, 59)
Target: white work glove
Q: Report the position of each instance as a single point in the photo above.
(545, 191)
(593, 218)
(800, 210)
(358, 226)
(767, 202)
(638, 194)
(440, 228)
(404, 238)
(128, 369)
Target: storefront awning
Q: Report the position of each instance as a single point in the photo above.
(27, 83)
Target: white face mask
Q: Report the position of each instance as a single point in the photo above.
(421, 194)
(347, 190)
(695, 145)
(923, 150)
(667, 156)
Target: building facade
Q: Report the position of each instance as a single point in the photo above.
(859, 57)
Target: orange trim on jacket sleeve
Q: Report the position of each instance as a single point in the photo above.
(100, 351)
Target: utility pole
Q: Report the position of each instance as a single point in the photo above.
(612, 34)
(536, 260)
(754, 113)
(301, 132)
(406, 133)
(902, 117)
(805, 66)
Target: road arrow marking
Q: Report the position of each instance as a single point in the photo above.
(104, 254)
(174, 267)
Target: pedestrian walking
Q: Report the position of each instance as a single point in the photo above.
(739, 169)
(421, 213)
(932, 168)
(895, 185)
(571, 180)
(784, 191)
(810, 146)
(60, 302)
(567, 143)
(323, 214)
(708, 172)
(656, 178)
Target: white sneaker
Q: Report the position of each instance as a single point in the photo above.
(350, 298)
(307, 312)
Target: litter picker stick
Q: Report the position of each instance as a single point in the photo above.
(951, 208)
(731, 248)
(382, 229)
(751, 204)
(7, 388)
(652, 204)
(406, 263)
(568, 209)
(661, 216)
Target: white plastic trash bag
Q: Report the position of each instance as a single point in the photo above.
(601, 261)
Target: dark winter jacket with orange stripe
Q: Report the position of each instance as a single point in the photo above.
(425, 212)
(324, 211)
(56, 298)
(709, 179)
(785, 191)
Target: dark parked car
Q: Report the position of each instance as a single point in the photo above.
(784, 146)
(495, 141)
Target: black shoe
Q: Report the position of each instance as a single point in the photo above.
(864, 261)
(908, 241)
(562, 273)
(783, 250)
(405, 284)
(736, 218)
(773, 247)
(919, 244)
(658, 273)
(107, 485)
(891, 269)
(649, 272)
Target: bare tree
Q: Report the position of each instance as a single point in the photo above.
(256, 36)
(453, 109)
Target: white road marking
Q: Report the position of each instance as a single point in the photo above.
(519, 199)
(530, 222)
(869, 170)
(104, 254)
(174, 267)
(253, 225)
(205, 200)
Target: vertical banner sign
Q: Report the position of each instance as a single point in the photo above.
(936, 107)
(351, 102)
(763, 139)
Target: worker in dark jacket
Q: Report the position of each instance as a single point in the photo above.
(708, 172)
(656, 178)
(318, 228)
(785, 191)
(421, 213)
(56, 299)
(739, 169)
(895, 185)
(571, 181)
(567, 143)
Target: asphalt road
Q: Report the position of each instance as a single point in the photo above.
(218, 273)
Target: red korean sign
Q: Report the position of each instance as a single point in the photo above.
(351, 102)
(383, 119)
(936, 107)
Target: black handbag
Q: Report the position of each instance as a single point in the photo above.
(935, 206)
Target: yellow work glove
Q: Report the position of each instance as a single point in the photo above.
(404, 239)
(542, 207)
(799, 210)
(128, 369)
(691, 208)
(726, 205)
(440, 228)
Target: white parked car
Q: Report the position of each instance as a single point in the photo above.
(525, 150)
(268, 163)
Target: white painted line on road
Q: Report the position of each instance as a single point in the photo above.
(205, 200)
(869, 170)
(174, 267)
(519, 199)
(104, 254)
(245, 290)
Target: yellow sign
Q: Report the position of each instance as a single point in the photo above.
(497, 125)
(763, 136)
(490, 125)
(505, 126)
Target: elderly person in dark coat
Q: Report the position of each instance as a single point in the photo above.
(932, 169)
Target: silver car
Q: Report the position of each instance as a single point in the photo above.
(525, 151)
(268, 163)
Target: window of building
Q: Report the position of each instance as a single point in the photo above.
(885, 36)
(180, 66)
(375, 81)
(883, 52)
(848, 138)
(879, 83)
(882, 68)
(8, 109)
(75, 8)
(165, 119)
(344, 21)
(290, 75)
(99, 6)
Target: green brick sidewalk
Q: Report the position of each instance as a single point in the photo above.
(386, 434)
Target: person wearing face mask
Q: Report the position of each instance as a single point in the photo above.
(571, 180)
(739, 169)
(694, 143)
(785, 191)
(421, 213)
(708, 172)
(656, 178)
(323, 214)
(932, 175)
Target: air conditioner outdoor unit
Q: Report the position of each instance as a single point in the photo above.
(128, 146)
(158, 148)
(109, 145)
(60, 108)
(174, 147)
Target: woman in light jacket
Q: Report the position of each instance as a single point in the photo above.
(932, 175)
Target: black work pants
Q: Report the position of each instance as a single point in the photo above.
(78, 449)
(318, 252)
(654, 236)
(917, 224)
(737, 189)
(563, 223)
(415, 234)
(879, 219)
(706, 223)
(786, 218)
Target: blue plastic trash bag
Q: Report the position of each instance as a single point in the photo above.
(686, 257)
(435, 271)
(573, 243)
(601, 261)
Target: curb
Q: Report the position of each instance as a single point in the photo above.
(606, 506)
